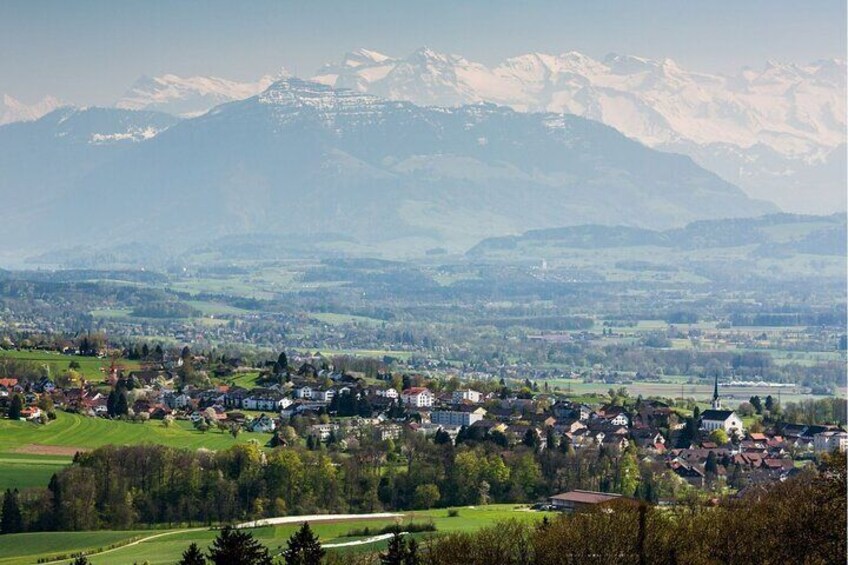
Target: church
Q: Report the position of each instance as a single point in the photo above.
(718, 419)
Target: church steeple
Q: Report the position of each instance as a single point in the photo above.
(716, 400)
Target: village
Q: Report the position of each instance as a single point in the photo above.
(306, 402)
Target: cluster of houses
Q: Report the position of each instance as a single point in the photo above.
(387, 412)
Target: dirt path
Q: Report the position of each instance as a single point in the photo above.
(132, 543)
(316, 518)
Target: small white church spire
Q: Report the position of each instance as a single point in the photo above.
(716, 405)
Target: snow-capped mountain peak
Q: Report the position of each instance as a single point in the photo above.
(190, 96)
(362, 56)
(757, 128)
(13, 110)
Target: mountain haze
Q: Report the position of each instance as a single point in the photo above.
(13, 110)
(778, 132)
(303, 158)
(188, 96)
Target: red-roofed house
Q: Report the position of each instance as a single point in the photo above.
(417, 396)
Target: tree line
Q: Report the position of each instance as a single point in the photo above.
(122, 487)
(799, 521)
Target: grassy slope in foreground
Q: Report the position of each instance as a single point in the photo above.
(28, 548)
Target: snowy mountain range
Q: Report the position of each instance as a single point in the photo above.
(302, 159)
(771, 131)
(778, 132)
(13, 110)
(189, 96)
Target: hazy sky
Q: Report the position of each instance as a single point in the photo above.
(88, 52)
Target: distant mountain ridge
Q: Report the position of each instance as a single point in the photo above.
(778, 132)
(776, 233)
(188, 96)
(306, 159)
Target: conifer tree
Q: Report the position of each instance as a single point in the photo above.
(304, 548)
(412, 557)
(395, 551)
(192, 556)
(236, 547)
(11, 522)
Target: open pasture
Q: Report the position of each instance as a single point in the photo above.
(159, 547)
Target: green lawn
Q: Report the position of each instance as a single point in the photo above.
(92, 367)
(244, 380)
(339, 319)
(168, 546)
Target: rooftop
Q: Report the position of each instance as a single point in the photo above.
(586, 496)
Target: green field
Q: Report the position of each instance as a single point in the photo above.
(30, 453)
(28, 548)
(166, 546)
(732, 395)
(24, 471)
(93, 368)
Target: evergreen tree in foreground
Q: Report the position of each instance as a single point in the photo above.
(192, 556)
(235, 547)
(12, 522)
(399, 552)
(395, 551)
(304, 548)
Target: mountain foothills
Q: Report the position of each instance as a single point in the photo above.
(772, 236)
(307, 159)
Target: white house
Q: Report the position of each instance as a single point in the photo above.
(323, 431)
(456, 417)
(269, 402)
(324, 395)
(304, 391)
(825, 442)
(470, 395)
(388, 393)
(417, 396)
(262, 424)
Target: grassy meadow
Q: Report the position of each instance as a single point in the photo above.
(30, 453)
(93, 368)
(165, 546)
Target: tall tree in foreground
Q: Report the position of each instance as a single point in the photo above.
(192, 556)
(236, 547)
(304, 548)
(412, 557)
(399, 552)
(395, 551)
(12, 522)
